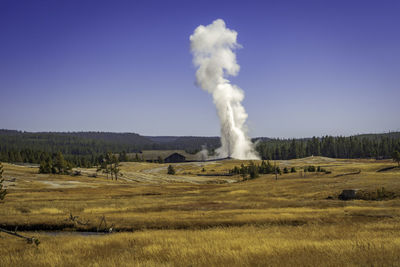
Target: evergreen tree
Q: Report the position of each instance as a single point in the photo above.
(114, 167)
(243, 171)
(123, 157)
(3, 192)
(46, 166)
(252, 170)
(293, 150)
(60, 166)
(396, 157)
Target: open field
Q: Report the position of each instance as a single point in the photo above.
(187, 219)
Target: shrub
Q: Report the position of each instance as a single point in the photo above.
(171, 170)
(379, 194)
(311, 168)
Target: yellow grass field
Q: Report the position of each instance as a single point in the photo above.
(190, 220)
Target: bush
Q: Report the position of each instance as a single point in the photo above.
(171, 170)
(319, 169)
(379, 194)
(311, 168)
(285, 170)
(293, 169)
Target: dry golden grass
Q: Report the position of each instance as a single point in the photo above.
(367, 244)
(259, 222)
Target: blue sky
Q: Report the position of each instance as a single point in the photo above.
(307, 67)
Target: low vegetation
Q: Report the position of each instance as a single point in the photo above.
(185, 219)
(171, 170)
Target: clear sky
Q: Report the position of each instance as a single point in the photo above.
(307, 67)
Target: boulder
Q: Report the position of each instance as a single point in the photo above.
(348, 194)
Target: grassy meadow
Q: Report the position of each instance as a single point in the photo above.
(185, 219)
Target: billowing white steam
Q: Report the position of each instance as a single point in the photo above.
(212, 47)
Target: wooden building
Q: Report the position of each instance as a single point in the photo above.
(167, 156)
(175, 157)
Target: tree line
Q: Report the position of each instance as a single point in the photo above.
(380, 146)
(87, 149)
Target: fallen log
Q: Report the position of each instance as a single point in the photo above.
(349, 173)
(387, 169)
(215, 174)
(29, 240)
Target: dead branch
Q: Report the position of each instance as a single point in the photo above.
(75, 220)
(29, 240)
(106, 228)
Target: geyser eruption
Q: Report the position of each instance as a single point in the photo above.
(212, 47)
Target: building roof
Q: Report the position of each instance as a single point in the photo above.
(154, 154)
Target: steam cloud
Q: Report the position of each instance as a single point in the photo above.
(212, 47)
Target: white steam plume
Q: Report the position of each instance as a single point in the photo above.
(212, 47)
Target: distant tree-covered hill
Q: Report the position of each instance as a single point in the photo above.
(87, 148)
(379, 146)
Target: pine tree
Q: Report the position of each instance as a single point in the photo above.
(114, 167)
(60, 165)
(46, 166)
(293, 150)
(3, 192)
(123, 157)
(396, 157)
(243, 171)
(252, 170)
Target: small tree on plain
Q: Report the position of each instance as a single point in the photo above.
(243, 172)
(60, 165)
(396, 157)
(171, 170)
(3, 192)
(252, 170)
(114, 167)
